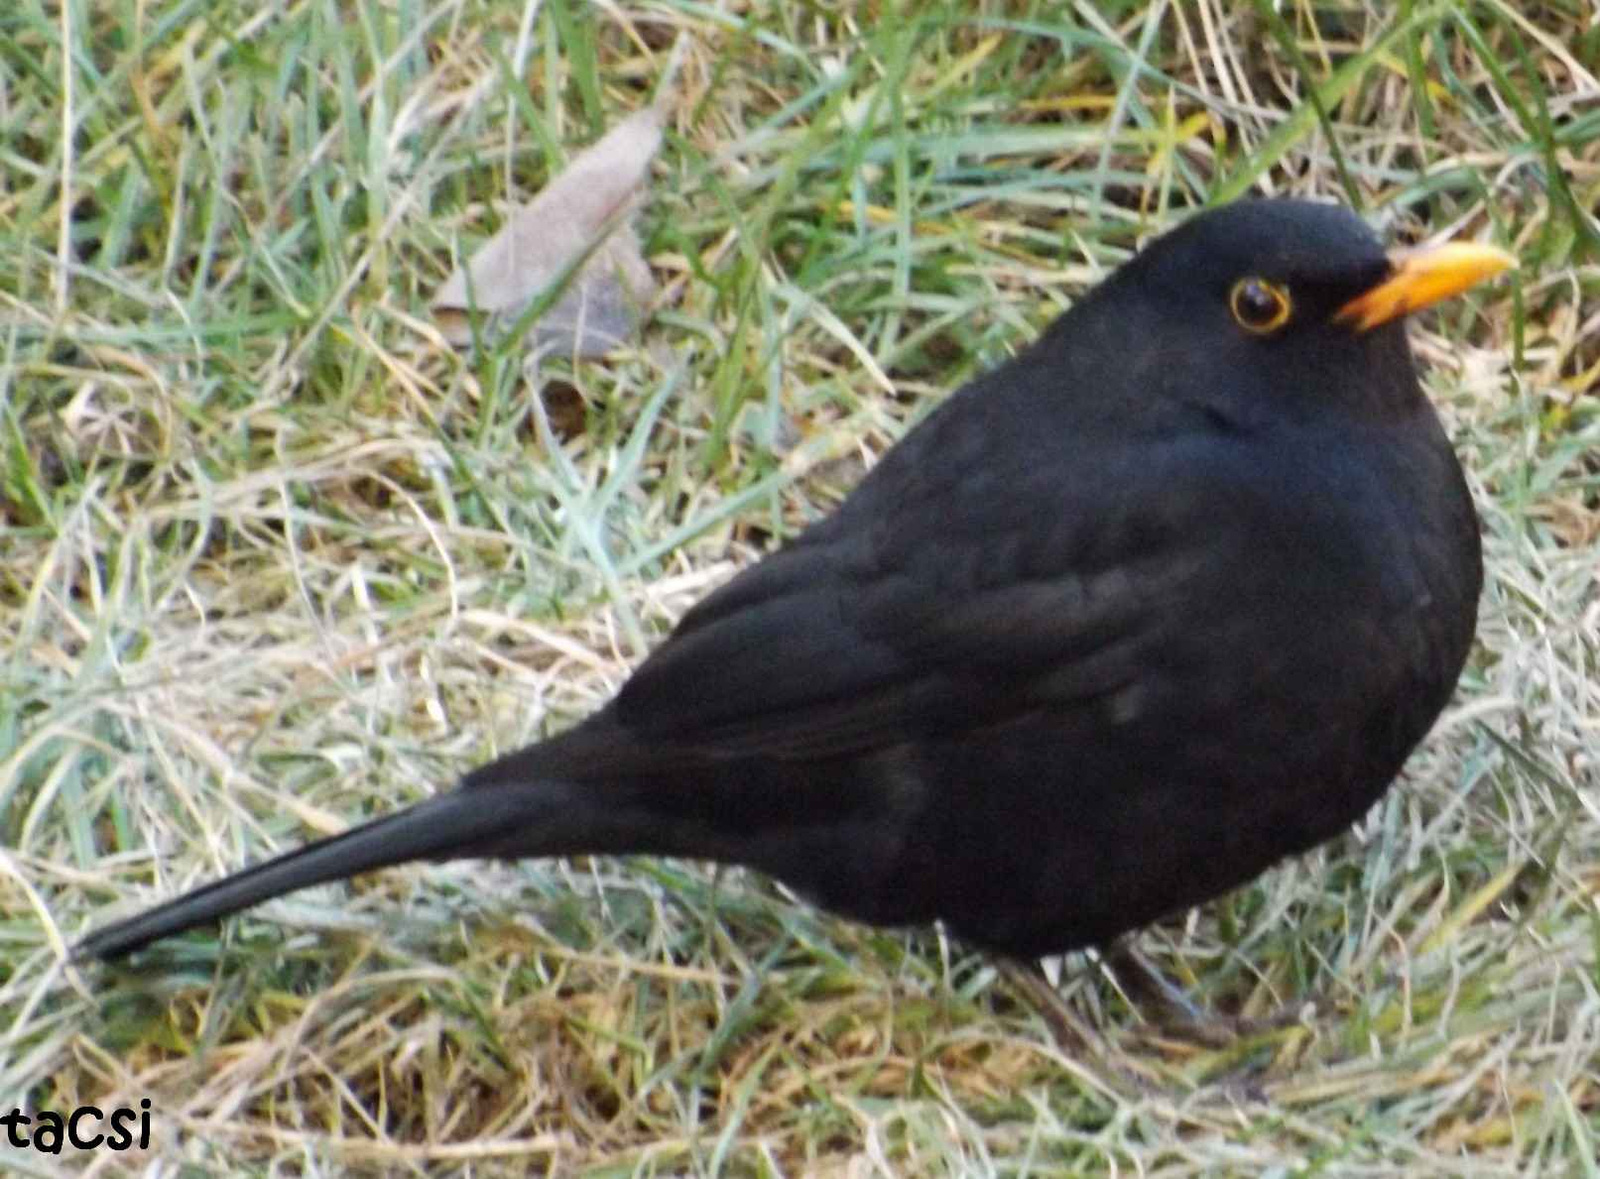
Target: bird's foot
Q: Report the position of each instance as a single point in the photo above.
(1172, 1011)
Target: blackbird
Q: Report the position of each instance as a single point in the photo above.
(1169, 596)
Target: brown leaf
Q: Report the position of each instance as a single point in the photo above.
(579, 221)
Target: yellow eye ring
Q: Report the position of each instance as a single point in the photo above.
(1259, 306)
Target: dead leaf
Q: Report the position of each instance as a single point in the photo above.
(576, 229)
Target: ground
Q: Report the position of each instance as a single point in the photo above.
(274, 557)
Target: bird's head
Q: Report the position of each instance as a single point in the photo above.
(1288, 299)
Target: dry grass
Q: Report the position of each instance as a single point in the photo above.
(274, 559)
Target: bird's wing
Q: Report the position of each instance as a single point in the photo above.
(961, 602)
(828, 668)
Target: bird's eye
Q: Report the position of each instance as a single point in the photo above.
(1258, 305)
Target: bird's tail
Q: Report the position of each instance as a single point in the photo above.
(451, 826)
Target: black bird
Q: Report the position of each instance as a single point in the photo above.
(1168, 597)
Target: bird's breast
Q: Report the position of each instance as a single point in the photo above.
(1331, 616)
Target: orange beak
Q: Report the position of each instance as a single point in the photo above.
(1423, 277)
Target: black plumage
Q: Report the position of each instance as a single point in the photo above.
(1169, 596)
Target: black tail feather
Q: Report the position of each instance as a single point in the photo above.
(451, 826)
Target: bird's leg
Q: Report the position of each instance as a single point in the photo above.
(1121, 1074)
(1173, 1010)
(1027, 979)
(1149, 986)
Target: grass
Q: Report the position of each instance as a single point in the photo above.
(275, 559)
